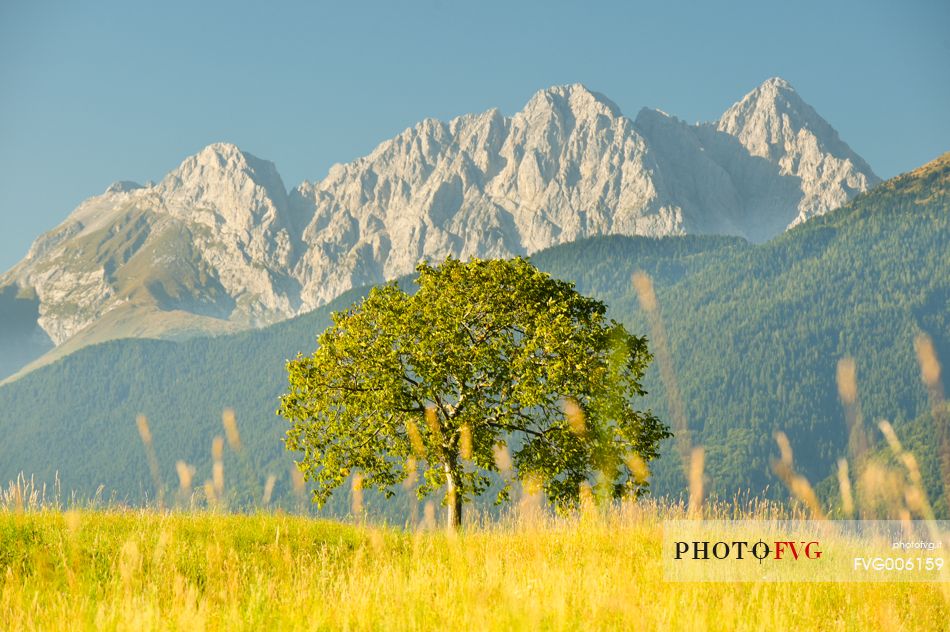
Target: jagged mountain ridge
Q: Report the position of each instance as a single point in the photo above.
(220, 244)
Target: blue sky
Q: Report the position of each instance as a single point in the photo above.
(126, 90)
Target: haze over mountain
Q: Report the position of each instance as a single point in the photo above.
(219, 244)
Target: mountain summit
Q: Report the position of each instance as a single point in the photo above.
(220, 244)
(774, 123)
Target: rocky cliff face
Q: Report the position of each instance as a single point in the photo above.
(214, 238)
(219, 243)
(772, 122)
(567, 166)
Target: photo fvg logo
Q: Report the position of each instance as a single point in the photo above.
(779, 550)
(805, 550)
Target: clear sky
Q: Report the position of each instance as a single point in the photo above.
(123, 90)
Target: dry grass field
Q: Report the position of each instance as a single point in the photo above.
(145, 570)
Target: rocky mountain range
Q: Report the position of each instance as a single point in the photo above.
(220, 244)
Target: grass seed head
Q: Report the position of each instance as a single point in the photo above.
(217, 448)
(297, 480)
(185, 475)
(432, 421)
(927, 358)
(412, 476)
(230, 429)
(217, 475)
(142, 422)
(785, 448)
(847, 381)
(644, 288)
(639, 470)
(357, 496)
(465, 441)
(415, 439)
(575, 417)
(697, 464)
(502, 457)
(888, 431)
(428, 513)
(844, 487)
(268, 489)
(210, 495)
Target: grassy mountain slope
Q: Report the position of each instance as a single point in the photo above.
(181, 298)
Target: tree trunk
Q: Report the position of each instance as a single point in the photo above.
(453, 500)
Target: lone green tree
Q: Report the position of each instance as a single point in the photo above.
(484, 356)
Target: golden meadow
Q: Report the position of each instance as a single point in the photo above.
(187, 565)
(144, 570)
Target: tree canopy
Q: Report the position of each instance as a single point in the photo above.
(485, 356)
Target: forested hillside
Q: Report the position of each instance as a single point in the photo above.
(755, 333)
